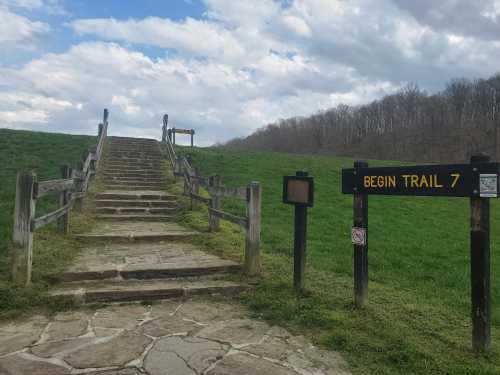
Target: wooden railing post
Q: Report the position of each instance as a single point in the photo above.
(22, 235)
(213, 221)
(64, 199)
(252, 245)
(78, 203)
(195, 188)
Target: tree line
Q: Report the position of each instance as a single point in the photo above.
(409, 125)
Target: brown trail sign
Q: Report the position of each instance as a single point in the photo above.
(477, 180)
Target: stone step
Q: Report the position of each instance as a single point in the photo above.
(152, 185)
(136, 195)
(144, 261)
(130, 231)
(134, 203)
(115, 138)
(137, 217)
(132, 166)
(143, 290)
(128, 176)
(156, 183)
(132, 173)
(133, 158)
(118, 170)
(132, 180)
(135, 210)
(134, 186)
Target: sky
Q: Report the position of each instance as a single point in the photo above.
(227, 67)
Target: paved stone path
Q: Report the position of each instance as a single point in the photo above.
(176, 337)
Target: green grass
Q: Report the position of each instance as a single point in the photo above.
(42, 153)
(418, 317)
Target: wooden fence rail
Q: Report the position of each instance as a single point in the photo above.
(251, 194)
(71, 188)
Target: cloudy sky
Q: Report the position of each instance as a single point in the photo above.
(227, 67)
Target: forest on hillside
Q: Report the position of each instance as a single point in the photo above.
(409, 125)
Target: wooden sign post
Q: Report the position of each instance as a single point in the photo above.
(478, 180)
(480, 264)
(360, 243)
(299, 191)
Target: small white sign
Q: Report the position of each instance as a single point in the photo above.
(358, 236)
(488, 185)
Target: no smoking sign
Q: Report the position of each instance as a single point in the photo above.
(358, 236)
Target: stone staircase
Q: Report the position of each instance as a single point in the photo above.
(137, 251)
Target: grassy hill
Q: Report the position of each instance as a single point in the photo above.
(43, 153)
(418, 317)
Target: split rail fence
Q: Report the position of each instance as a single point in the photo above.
(71, 188)
(251, 194)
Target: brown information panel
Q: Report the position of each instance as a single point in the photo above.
(298, 190)
(453, 180)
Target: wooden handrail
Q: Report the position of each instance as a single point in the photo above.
(251, 194)
(41, 221)
(241, 221)
(71, 187)
(45, 187)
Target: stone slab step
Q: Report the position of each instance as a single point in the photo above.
(125, 167)
(132, 161)
(144, 290)
(137, 217)
(132, 165)
(128, 175)
(133, 158)
(146, 194)
(134, 187)
(134, 203)
(135, 210)
(129, 231)
(134, 179)
(144, 261)
(147, 171)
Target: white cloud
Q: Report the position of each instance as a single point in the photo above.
(192, 36)
(15, 28)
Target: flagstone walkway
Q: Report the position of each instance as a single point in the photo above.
(212, 336)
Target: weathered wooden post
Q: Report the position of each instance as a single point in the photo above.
(173, 136)
(78, 184)
(92, 152)
(99, 131)
(192, 137)
(195, 184)
(360, 242)
(105, 116)
(252, 243)
(215, 183)
(22, 235)
(480, 265)
(64, 199)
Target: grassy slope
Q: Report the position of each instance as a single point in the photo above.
(42, 153)
(417, 320)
